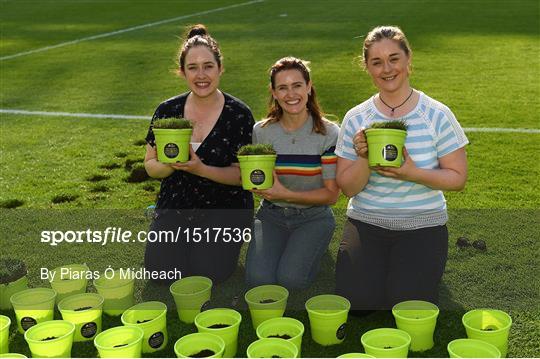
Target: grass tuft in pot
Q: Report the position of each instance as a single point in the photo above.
(394, 125)
(172, 123)
(258, 149)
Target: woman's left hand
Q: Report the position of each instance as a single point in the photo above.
(277, 192)
(194, 165)
(405, 173)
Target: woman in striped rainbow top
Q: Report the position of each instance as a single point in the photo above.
(297, 222)
(395, 241)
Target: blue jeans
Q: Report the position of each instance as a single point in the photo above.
(291, 247)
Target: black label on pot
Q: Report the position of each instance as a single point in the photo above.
(257, 177)
(171, 150)
(28, 322)
(390, 152)
(156, 340)
(88, 330)
(340, 333)
(205, 306)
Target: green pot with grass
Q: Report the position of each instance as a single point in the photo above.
(52, 339)
(12, 280)
(472, 348)
(386, 343)
(12, 355)
(385, 143)
(257, 164)
(172, 137)
(5, 322)
(266, 302)
(418, 318)
(33, 306)
(285, 328)
(120, 342)
(84, 310)
(191, 295)
(355, 355)
(69, 280)
(489, 325)
(223, 322)
(199, 345)
(328, 318)
(151, 317)
(117, 292)
(272, 348)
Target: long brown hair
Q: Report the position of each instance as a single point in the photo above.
(275, 112)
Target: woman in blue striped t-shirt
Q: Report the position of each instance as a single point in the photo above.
(395, 241)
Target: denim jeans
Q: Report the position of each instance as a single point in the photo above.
(291, 247)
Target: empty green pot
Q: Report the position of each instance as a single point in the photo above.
(12, 355)
(117, 293)
(266, 302)
(151, 317)
(33, 306)
(386, 343)
(5, 322)
(472, 348)
(385, 146)
(192, 344)
(355, 355)
(272, 348)
(223, 322)
(257, 171)
(191, 295)
(172, 145)
(83, 310)
(8, 289)
(281, 327)
(489, 325)
(69, 280)
(52, 339)
(418, 318)
(120, 342)
(328, 318)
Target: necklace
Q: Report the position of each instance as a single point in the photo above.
(398, 106)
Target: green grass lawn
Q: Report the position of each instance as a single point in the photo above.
(481, 58)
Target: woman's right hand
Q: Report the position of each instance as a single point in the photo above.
(360, 143)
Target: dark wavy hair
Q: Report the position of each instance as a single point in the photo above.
(197, 35)
(275, 112)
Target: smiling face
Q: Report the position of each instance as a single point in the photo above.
(201, 71)
(291, 91)
(388, 65)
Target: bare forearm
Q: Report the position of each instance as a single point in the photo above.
(353, 178)
(157, 169)
(444, 179)
(226, 175)
(317, 197)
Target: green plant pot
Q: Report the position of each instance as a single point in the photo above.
(8, 289)
(386, 343)
(83, 310)
(5, 322)
(355, 355)
(281, 327)
(172, 145)
(214, 317)
(12, 355)
(191, 295)
(257, 171)
(117, 293)
(472, 348)
(151, 317)
(52, 339)
(272, 348)
(328, 318)
(266, 302)
(418, 318)
(68, 281)
(33, 306)
(120, 342)
(489, 325)
(194, 346)
(385, 146)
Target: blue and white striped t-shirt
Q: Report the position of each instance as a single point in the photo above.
(433, 132)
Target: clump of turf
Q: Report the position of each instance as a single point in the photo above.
(139, 142)
(120, 154)
(110, 165)
(149, 187)
(99, 189)
(258, 149)
(132, 161)
(97, 178)
(11, 269)
(64, 197)
(172, 123)
(137, 174)
(395, 125)
(11, 203)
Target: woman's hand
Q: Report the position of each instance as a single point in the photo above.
(406, 172)
(276, 193)
(194, 165)
(360, 143)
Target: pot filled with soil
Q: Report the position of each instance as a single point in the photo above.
(199, 345)
(33, 306)
(12, 355)
(69, 280)
(224, 323)
(257, 163)
(52, 339)
(266, 302)
(116, 291)
(191, 295)
(472, 348)
(272, 348)
(5, 322)
(385, 143)
(489, 325)
(120, 342)
(328, 318)
(151, 317)
(386, 343)
(418, 318)
(84, 310)
(172, 139)
(284, 328)
(355, 355)
(12, 280)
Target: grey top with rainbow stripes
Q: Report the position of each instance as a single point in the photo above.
(305, 158)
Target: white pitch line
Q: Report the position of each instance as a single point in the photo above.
(136, 117)
(99, 36)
